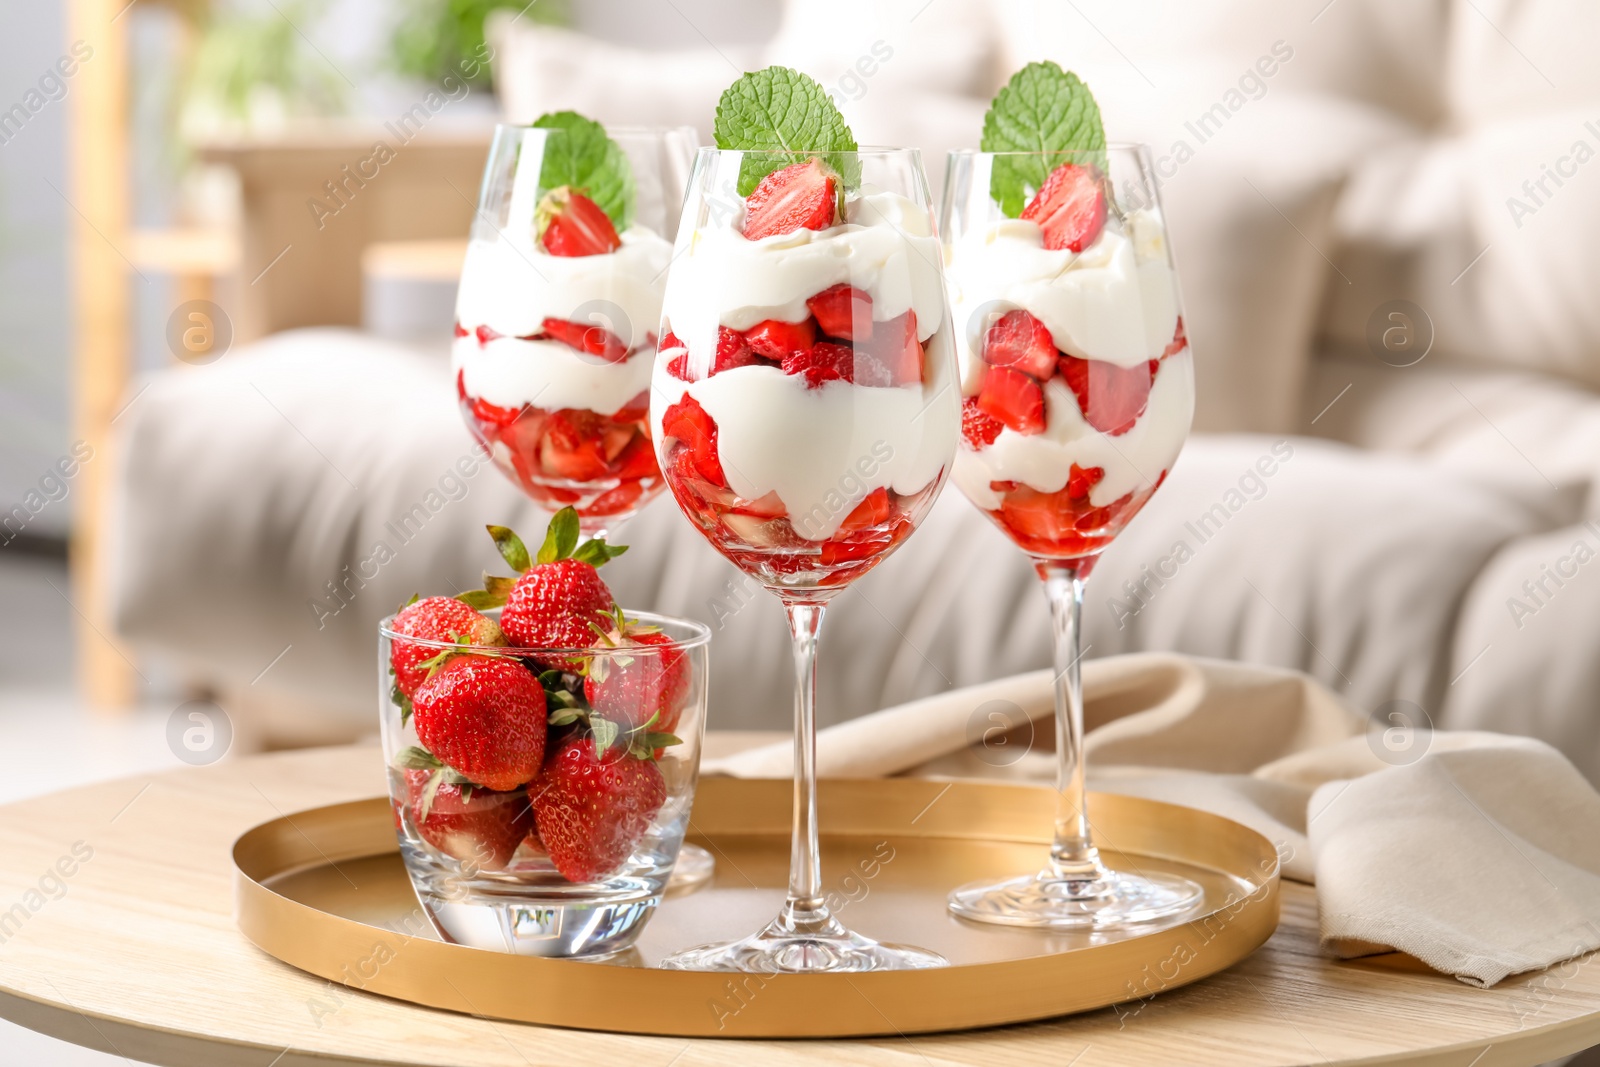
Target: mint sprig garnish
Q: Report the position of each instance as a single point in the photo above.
(580, 154)
(1042, 109)
(785, 113)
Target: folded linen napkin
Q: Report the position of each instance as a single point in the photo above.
(1477, 853)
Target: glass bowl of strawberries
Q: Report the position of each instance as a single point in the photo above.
(542, 748)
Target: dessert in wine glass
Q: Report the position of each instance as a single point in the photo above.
(1078, 390)
(555, 318)
(559, 299)
(805, 414)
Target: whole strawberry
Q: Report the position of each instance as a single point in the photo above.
(559, 597)
(484, 716)
(592, 810)
(480, 827)
(647, 688)
(435, 618)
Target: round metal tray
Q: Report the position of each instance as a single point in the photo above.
(325, 891)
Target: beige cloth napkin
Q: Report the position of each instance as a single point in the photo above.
(1477, 853)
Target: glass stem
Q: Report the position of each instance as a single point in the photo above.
(1072, 855)
(805, 910)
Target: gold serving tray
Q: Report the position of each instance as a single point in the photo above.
(325, 891)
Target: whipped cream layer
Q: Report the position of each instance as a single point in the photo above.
(509, 372)
(1115, 301)
(1132, 460)
(885, 246)
(822, 450)
(512, 285)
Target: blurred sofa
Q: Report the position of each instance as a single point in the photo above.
(1387, 241)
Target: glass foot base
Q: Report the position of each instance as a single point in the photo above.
(694, 869)
(1045, 900)
(780, 950)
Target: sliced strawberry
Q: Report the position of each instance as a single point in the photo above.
(894, 347)
(800, 196)
(1080, 481)
(638, 460)
(978, 428)
(872, 511)
(462, 331)
(487, 334)
(595, 340)
(570, 224)
(616, 501)
(843, 311)
(688, 422)
(733, 351)
(1179, 342)
(636, 410)
(574, 447)
(776, 340)
(766, 506)
(1021, 342)
(1013, 398)
(822, 362)
(1070, 208)
(1111, 397)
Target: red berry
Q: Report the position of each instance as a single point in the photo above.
(480, 827)
(591, 811)
(822, 362)
(485, 717)
(1070, 208)
(978, 428)
(874, 510)
(775, 340)
(574, 446)
(800, 196)
(733, 351)
(486, 334)
(1013, 398)
(894, 348)
(570, 224)
(1021, 342)
(435, 618)
(651, 685)
(461, 331)
(554, 604)
(595, 340)
(687, 421)
(1080, 481)
(1111, 397)
(843, 311)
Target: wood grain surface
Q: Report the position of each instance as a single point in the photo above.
(116, 932)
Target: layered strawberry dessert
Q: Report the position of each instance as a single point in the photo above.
(1076, 378)
(552, 355)
(803, 411)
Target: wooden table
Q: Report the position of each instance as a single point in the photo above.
(116, 932)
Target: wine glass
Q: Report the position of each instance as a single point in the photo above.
(1078, 391)
(553, 349)
(805, 414)
(552, 353)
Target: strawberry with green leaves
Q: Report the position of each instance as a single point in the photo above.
(593, 807)
(642, 681)
(1050, 118)
(434, 618)
(480, 827)
(587, 184)
(558, 593)
(483, 717)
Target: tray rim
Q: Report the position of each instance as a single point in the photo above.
(579, 995)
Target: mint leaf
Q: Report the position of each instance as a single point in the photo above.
(578, 153)
(1041, 109)
(786, 113)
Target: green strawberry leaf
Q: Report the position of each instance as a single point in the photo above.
(1042, 109)
(565, 717)
(578, 153)
(498, 585)
(431, 790)
(415, 758)
(596, 553)
(403, 702)
(605, 733)
(481, 599)
(787, 114)
(560, 537)
(512, 550)
(661, 740)
(414, 598)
